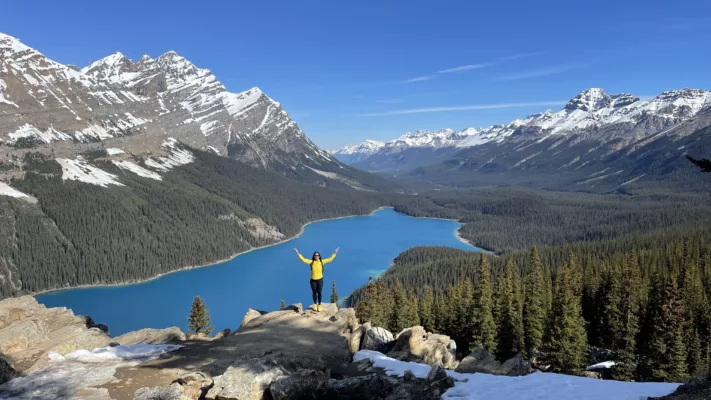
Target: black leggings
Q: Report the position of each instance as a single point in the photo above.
(316, 288)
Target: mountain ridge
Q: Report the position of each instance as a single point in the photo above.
(136, 107)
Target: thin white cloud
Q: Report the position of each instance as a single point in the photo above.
(463, 68)
(520, 56)
(389, 101)
(466, 108)
(419, 79)
(536, 73)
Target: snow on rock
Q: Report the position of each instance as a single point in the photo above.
(77, 374)
(601, 365)
(7, 190)
(79, 170)
(114, 151)
(176, 157)
(137, 169)
(27, 131)
(537, 386)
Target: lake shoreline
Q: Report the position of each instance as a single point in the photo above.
(188, 268)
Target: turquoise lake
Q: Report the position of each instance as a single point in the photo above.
(261, 278)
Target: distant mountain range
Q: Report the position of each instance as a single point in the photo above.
(136, 108)
(596, 140)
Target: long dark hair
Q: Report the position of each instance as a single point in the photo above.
(313, 257)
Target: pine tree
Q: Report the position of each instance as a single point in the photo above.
(365, 308)
(441, 318)
(334, 293)
(400, 318)
(282, 305)
(426, 308)
(566, 339)
(534, 305)
(664, 357)
(510, 325)
(695, 359)
(199, 320)
(628, 325)
(484, 328)
(413, 312)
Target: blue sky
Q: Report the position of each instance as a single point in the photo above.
(349, 71)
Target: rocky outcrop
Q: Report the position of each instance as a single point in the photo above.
(193, 385)
(246, 380)
(250, 315)
(29, 332)
(693, 390)
(301, 385)
(159, 393)
(415, 344)
(355, 339)
(222, 333)
(377, 339)
(347, 317)
(151, 336)
(295, 307)
(481, 360)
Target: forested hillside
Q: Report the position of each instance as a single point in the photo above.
(504, 219)
(208, 210)
(645, 298)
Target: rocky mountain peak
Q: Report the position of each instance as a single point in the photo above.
(622, 100)
(589, 100)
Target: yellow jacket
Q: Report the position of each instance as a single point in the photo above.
(317, 266)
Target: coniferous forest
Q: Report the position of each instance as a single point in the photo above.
(645, 298)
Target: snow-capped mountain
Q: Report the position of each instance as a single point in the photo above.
(614, 122)
(136, 106)
(353, 153)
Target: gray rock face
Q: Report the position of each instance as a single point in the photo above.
(301, 385)
(193, 385)
(151, 336)
(377, 339)
(372, 386)
(222, 333)
(246, 380)
(481, 360)
(159, 393)
(415, 344)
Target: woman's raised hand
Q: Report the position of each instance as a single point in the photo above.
(336, 251)
(297, 251)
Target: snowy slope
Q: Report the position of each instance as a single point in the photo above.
(537, 386)
(80, 372)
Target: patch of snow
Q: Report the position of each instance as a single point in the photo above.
(208, 127)
(7, 190)
(47, 136)
(601, 365)
(176, 156)
(79, 170)
(114, 151)
(137, 169)
(536, 386)
(77, 374)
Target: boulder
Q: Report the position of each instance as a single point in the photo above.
(377, 339)
(329, 309)
(438, 377)
(222, 333)
(408, 375)
(356, 337)
(201, 336)
(245, 380)
(295, 307)
(250, 315)
(371, 387)
(20, 336)
(483, 361)
(346, 317)
(597, 355)
(695, 389)
(159, 393)
(301, 385)
(516, 366)
(151, 336)
(193, 385)
(415, 344)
